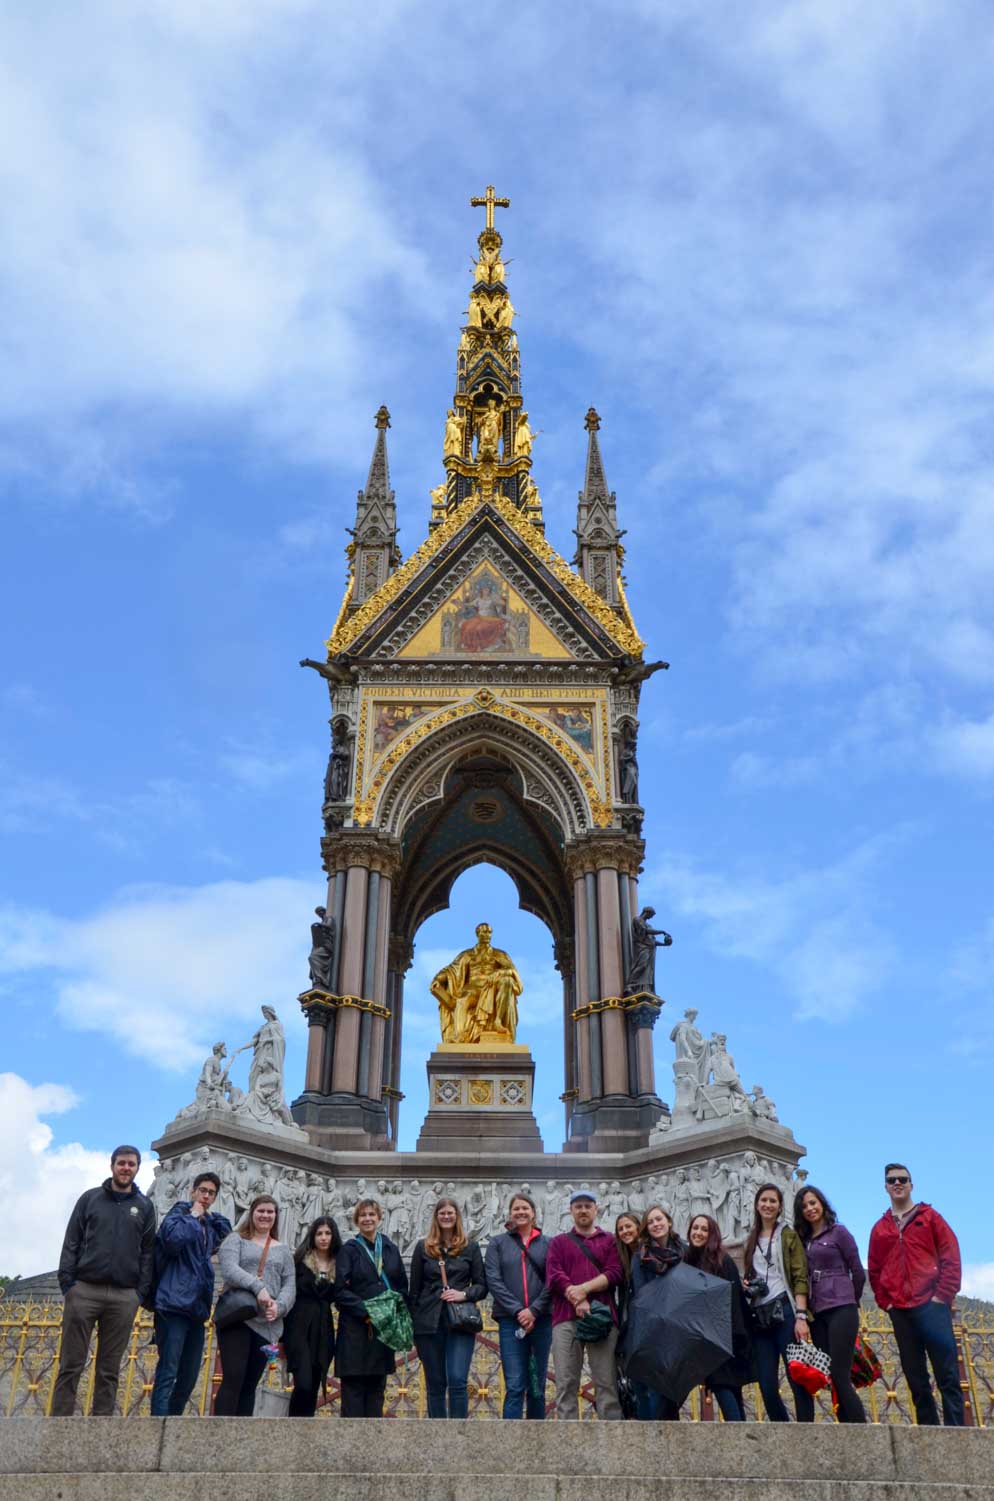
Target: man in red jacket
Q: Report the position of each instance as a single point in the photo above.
(914, 1267)
(582, 1268)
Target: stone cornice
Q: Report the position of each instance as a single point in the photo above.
(589, 853)
(365, 848)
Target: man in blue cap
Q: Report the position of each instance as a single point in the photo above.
(581, 1269)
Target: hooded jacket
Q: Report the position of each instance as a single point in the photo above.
(912, 1263)
(183, 1250)
(517, 1280)
(110, 1238)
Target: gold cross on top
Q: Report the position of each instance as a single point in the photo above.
(490, 201)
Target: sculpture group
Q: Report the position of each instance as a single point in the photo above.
(263, 1103)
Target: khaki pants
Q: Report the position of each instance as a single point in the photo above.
(567, 1360)
(113, 1311)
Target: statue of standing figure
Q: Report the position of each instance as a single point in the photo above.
(489, 432)
(628, 769)
(641, 974)
(336, 781)
(322, 956)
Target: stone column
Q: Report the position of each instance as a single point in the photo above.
(616, 1105)
(346, 1108)
(613, 1039)
(318, 1016)
(585, 1080)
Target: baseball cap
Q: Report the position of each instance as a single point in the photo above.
(583, 1193)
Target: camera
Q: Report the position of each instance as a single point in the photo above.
(756, 1288)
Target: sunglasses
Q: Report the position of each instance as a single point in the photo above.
(897, 1178)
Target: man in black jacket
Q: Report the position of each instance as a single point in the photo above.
(105, 1272)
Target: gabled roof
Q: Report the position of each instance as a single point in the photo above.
(362, 632)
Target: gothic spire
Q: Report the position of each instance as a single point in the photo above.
(488, 438)
(599, 551)
(374, 537)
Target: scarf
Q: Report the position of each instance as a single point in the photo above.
(376, 1256)
(659, 1259)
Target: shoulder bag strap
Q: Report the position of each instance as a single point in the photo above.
(262, 1259)
(578, 1240)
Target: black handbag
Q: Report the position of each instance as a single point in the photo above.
(769, 1315)
(237, 1305)
(463, 1318)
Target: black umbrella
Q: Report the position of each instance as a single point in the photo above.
(679, 1330)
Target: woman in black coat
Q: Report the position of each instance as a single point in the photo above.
(446, 1272)
(309, 1330)
(367, 1265)
(705, 1250)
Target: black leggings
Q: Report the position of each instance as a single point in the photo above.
(834, 1331)
(362, 1396)
(242, 1364)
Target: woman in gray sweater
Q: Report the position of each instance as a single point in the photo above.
(252, 1257)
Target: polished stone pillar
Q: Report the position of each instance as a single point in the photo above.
(342, 1103)
(615, 1105)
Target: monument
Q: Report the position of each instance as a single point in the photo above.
(484, 701)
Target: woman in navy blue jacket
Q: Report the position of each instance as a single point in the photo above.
(188, 1237)
(836, 1280)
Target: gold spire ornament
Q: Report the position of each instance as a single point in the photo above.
(490, 201)
(477, 994)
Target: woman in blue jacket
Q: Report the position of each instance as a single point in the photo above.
(515, 1273)
(188, 1238)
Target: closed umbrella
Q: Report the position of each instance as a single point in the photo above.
(679, 1330)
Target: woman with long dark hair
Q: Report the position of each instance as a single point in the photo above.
(626, 1237)
(837, 1280)
(309, 1336)
(659, 1250)
(366, 1266)
(515, 1274)
(705, 1250)
(253, 1258)
(446, 1272)
(776, 1284)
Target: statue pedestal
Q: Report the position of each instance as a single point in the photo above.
(480, 1099)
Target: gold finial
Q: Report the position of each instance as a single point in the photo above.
(382, 418)
(591, 422)
(490, 201)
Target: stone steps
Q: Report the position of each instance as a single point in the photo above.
(257, 1459)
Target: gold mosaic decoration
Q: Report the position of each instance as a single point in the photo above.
(347, 630)
(600, 808)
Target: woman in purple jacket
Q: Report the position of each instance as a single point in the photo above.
(836, 1279)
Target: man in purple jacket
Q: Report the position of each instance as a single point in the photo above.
(582, 1266)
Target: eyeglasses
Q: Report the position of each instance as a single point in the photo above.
(897, 1178)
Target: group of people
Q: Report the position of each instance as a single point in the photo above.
(570, 1294)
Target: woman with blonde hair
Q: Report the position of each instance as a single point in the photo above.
(447, 1281)
(252, 1259)
(366, 1266)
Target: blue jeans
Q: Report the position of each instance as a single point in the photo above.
(518, 1396)
(445, 1358)
(928, 1330)
(769, 1348)
(652, 1407)
(180, 1343)
(729, 1400)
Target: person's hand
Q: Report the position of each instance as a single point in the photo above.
(265, 1299)
(527, 1320)
(582, 1307)
(271, 1312)
(576, 1294)
(453, 1295)
(197, 1210)
(801, 1331)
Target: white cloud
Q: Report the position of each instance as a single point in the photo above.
(978, 1280)
(966, 746)
(261, 769)
(32, 803)
(165, 971)
(170, 251)
(39, 1183)
(812, 928)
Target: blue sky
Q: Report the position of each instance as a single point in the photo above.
(758, 239)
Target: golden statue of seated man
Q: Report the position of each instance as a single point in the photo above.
(477, 993)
